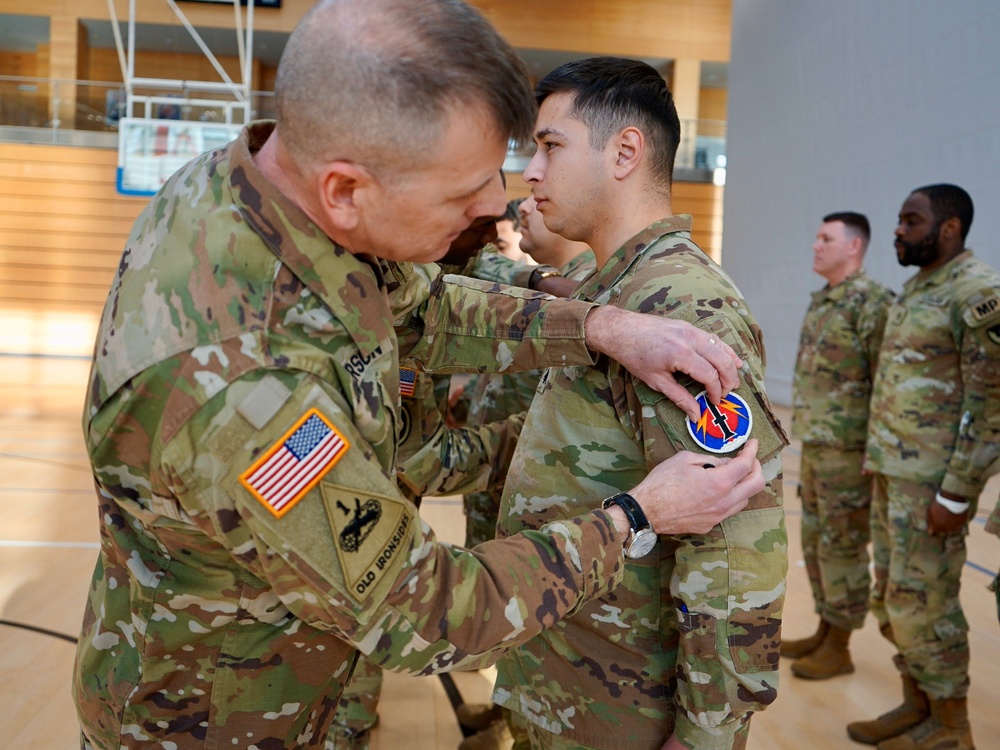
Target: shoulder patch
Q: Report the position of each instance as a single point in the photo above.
(986, 309)
(293, 465)
(369, 534)
(722, 428)
(407, 381)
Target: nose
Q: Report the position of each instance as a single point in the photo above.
(527, 207)
(491, 201)
(533, 172)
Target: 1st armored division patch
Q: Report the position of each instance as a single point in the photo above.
(293, 465)
(722, 428)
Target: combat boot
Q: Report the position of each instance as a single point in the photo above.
(832, 658)
(946, 729)
(803, 646)
(476, 717)
(496, 737)
(914, 710)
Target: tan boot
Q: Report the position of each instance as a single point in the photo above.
(946, 729)
(496, 737)
(478, 716)
(829, 660)
(913, 711)
(804, 646)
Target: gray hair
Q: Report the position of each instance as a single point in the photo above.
(371, 81)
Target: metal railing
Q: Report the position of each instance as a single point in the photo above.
(43, 110)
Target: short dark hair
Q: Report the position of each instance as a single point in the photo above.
(852, 220)
(612, 93)
(949, 201)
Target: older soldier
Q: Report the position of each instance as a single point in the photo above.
(686, 649)
(243, 409)
(933, 431)
(838, 350)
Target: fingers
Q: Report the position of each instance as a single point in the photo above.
(680, 396)
(722, 357)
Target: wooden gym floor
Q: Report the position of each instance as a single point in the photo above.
(48, 543)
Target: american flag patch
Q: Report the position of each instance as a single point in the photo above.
(407, 381)
(293, 465)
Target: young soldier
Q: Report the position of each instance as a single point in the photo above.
(687, 648)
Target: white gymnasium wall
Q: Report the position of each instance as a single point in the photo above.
(849, 105)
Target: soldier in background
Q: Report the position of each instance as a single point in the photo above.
(686, 649)
(243, 407)
(993, 527)
(838, 351)
(933, 431)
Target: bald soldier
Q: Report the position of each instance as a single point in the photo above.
(243, 408)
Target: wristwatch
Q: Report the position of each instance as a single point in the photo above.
(641, 538)
(537, 275)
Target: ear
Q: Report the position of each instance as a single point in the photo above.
(951, 229)
(856, 246)
(630, 146)
(340, 186)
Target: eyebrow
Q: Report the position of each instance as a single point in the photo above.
(547, 132)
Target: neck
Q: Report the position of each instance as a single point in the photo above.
(276, 164)
(632, 218)
(944, 258)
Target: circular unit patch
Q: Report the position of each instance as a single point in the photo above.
(722, 428)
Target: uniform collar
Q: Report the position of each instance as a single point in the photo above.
(938, 275)
(625, 255)
(840, 289)
(351, 286)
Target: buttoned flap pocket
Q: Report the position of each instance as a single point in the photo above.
(757, 550)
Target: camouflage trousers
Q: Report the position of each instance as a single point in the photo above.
(836, 529)
(358, 707)
(481, 511)
(540, 739)
(916, 591)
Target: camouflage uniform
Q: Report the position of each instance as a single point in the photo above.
(497, 397)
(935, 424)
(838, 351)
(433, 460)
(242, 425)
(689, 642)
(993, 527)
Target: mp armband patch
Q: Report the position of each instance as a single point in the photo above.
(722, 428)
(370, 533)
(295, 464)
(984, 310)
